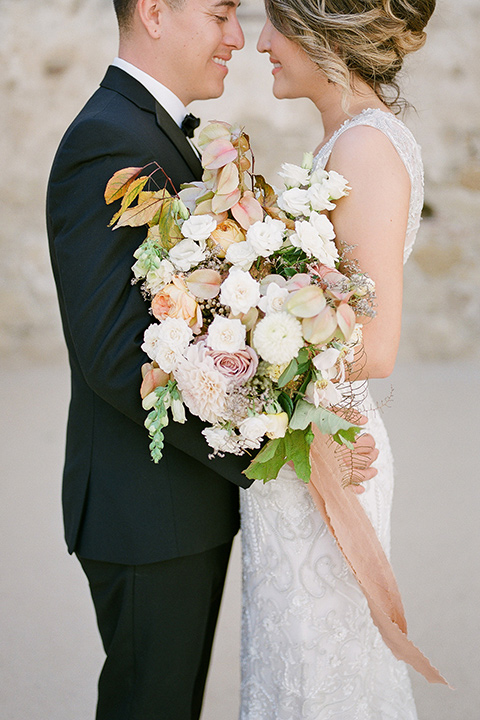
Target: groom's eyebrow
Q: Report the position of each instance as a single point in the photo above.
(227, 3)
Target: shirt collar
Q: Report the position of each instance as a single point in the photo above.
(165, 97)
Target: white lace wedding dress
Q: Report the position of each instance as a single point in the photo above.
(310, 650)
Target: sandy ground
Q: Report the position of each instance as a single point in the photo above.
(50, 653)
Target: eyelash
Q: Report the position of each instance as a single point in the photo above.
(221, 18)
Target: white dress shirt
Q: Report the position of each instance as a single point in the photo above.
(165, 97)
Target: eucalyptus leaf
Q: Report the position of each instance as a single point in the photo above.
(329, 423)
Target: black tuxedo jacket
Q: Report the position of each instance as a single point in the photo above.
(118, 505)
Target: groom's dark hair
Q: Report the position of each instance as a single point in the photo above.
(124, 10)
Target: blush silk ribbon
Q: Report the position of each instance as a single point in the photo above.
(358, 543)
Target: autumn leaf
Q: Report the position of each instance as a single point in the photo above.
(167, 224)
(134, 190)
(118, 184)
(144, 212)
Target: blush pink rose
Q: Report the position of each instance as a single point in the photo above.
(238, 367)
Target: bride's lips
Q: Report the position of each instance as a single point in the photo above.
(276, 66)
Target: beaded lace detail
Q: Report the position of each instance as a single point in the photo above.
(310, 650)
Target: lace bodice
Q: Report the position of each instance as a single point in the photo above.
(408, 150)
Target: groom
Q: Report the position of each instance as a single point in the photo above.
(153, 540)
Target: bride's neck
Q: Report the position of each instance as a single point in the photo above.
(334, 112)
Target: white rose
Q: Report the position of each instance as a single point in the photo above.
(319, 197)
(226, 335)
(293, 175)
(322, 225)
(186, 254)
(151, 341)
(240, 291)
(337, 185)
(325, 229)
(266, 236)
(307, 238)
(294, 202)
(253, 428)
(318, 176)
(274, 298)
(175, 333)
(167, 357)
(241, 254)
(199, 227)
(161, 276)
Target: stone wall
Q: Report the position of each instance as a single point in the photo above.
(54, 54)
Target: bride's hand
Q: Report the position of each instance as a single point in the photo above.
(364, 454)
(359, 461)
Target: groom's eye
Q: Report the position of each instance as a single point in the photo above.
(221, 18)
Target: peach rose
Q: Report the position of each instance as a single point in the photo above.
(226, 233)
(175, 301)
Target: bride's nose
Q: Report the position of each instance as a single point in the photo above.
(263, 43)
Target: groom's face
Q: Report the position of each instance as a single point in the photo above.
(198, 39)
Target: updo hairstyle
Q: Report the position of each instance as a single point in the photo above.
(369, 38)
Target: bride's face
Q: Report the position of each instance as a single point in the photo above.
(294, 73)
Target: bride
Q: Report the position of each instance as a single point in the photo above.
(309, 647)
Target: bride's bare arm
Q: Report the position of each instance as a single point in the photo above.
(373, 218)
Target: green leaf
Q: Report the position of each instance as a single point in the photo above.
(329, 423)
(303, 356)
(286, 403)
(268, 450)
(288, 374)
(297, 449)
(269, 461)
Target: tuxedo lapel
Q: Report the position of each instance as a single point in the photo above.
(178, 138)
(123, 83)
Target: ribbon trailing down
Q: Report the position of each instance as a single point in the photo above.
(358, 542)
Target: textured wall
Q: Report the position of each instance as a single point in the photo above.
(54, 54)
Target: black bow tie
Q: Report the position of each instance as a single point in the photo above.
(190, 124)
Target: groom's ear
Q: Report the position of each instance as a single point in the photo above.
(150, 13)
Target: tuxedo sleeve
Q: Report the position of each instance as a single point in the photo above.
(103, 313)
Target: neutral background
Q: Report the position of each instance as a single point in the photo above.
(53, 56)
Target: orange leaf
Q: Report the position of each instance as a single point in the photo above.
(141, 214)
(118, 184)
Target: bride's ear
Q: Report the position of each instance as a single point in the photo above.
(150, 13)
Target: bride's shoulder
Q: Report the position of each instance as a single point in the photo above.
(364, 150)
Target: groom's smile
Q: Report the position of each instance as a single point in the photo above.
(196, 42)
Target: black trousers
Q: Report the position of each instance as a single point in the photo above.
(157, 623)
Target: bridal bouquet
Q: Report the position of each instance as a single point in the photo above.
(256, 325)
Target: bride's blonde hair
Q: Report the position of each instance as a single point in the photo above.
(367, 38)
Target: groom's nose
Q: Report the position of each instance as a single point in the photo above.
(234, 36)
